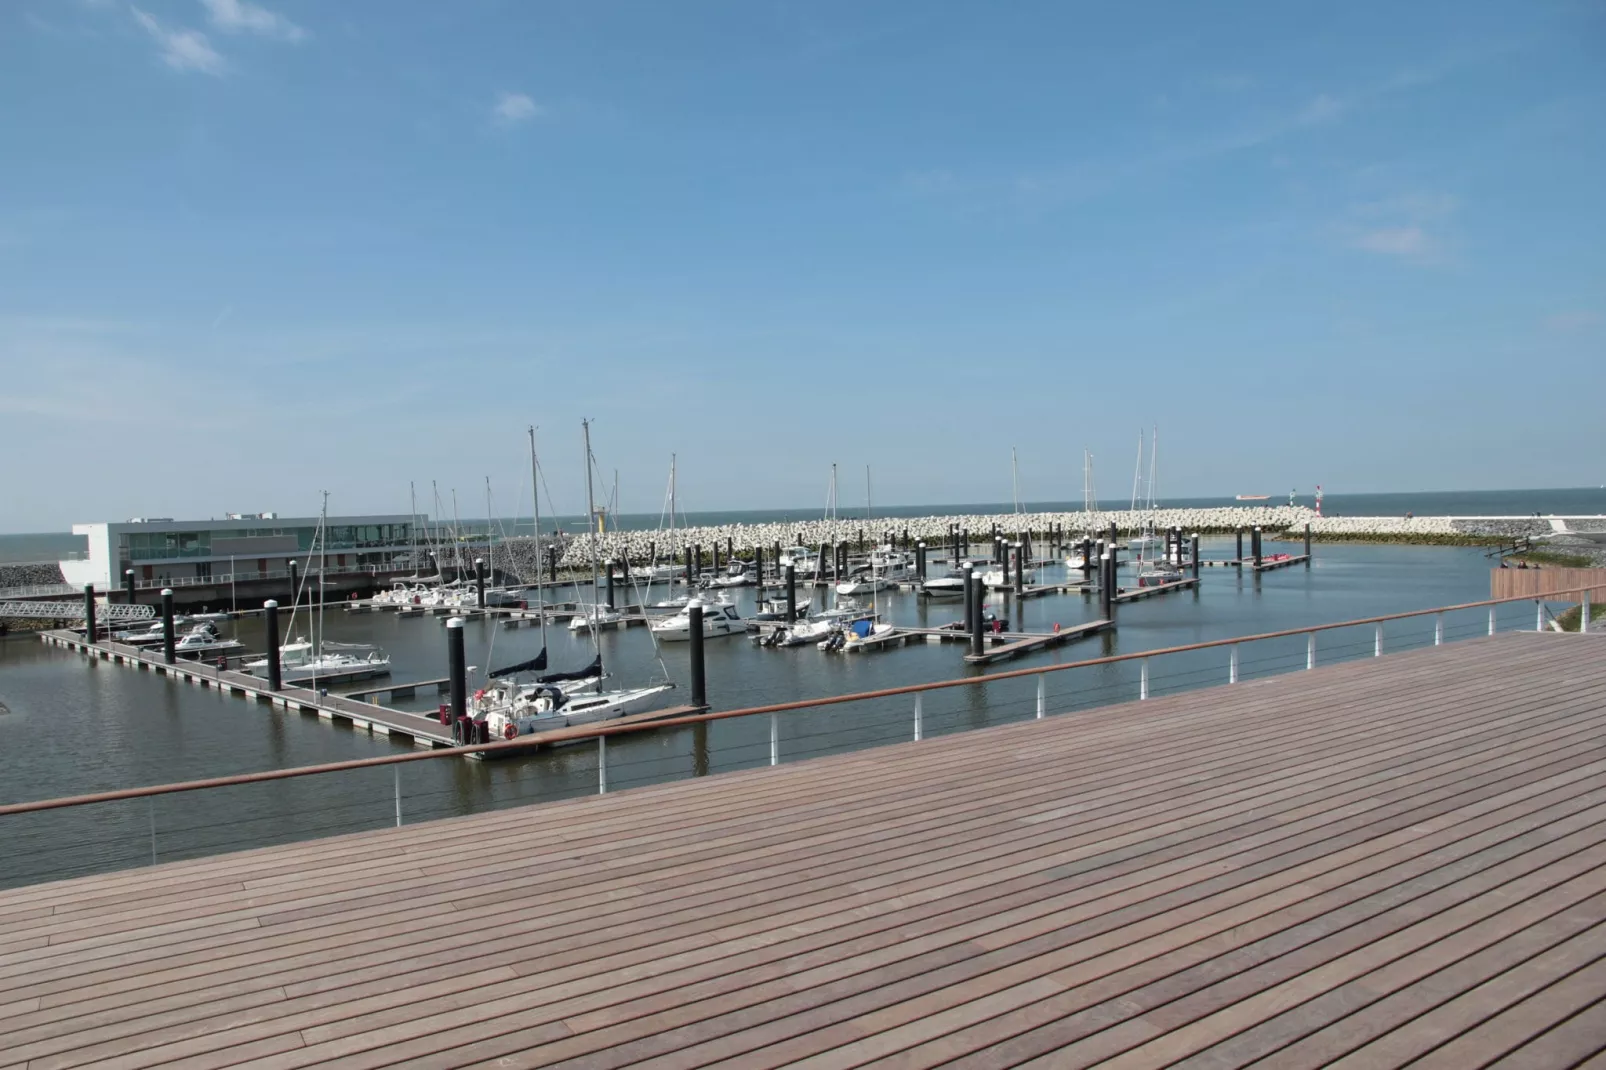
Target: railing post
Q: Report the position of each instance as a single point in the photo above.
(152, 800)
(396, 769)
(1377, 643)
(602, 765)
(775, 739)
(1583, 609)
(1042, 698)
(1232, 665)
(1539, 615)
(918, 725)
(1310, 651)
(1491, 620)
(1143, 679)
(1438, 629)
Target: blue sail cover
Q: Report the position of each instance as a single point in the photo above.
(535, 664)
(861, 628)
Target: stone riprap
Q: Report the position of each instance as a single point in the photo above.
(32, 574)
(637, 546)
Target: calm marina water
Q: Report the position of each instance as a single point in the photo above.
(75, 727)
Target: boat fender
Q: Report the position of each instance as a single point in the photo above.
(510, 731)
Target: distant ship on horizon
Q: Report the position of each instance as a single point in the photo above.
(1253, 497)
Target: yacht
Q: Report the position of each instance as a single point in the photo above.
(511, 711)
(736, 574)
(204, 639)
(804, 562)
(863, 582)
(595, 616)
(719, 618)
(301, 662)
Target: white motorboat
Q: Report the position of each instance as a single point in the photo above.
(719, 618)
(854, 633)
(736, 574)
(803, 560)
(595, 616)
(1001, 577)
(655, 573)
(204, 639)
(774, 608)
(863, 583)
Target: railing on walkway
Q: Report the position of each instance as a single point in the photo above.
(38, 590)
(253, 576)
(127, 827)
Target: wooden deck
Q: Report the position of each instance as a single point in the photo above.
(1364, 865)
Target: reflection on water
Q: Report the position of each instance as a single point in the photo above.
(77, 727)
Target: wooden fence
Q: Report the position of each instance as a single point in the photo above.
(1541, 582)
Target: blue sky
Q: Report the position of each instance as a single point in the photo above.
(253, 251)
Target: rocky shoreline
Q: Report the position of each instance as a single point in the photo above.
(1277, 522)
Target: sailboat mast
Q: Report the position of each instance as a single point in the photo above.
(1137, 473)
(412, 503)
(1154, 458)
(540, 555)
(457, 538)
(490, 544)
(1014, 477)
(591, 511)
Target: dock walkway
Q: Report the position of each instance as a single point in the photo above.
(1379, 861)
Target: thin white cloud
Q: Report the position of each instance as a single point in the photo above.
(514, 108)
(240, 16)
(1569, 322)
(1410, 242)
(182, 50)
(1323, 109)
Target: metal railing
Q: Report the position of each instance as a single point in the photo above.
(760, 735)
(255, 576)
(39, 590)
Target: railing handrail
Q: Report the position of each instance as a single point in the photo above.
(605, 729)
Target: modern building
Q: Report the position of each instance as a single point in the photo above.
(244, 546)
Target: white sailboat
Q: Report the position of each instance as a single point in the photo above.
(558, 699)
(1090, 505)
(319, 661)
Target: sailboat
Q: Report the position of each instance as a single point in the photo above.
(320, 661)
(1090, 505)
(1152, 566)
(1145, 545)
(558, 699)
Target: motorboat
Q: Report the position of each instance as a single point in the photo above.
(212, 617)
(303, 662)
(854, 633)
(204, 639)
(151, 634)
(774, 608)
(951, 585)
(863, 583)
(803, 561)
(719, 618)
(1001, 577)
(736, 574)
(595, 616)
(1156, 573)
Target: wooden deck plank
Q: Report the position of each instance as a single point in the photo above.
(1219, 875)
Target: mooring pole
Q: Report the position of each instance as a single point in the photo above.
(970, 596)
(1307, 544)
(479, 580)
(608, 565)
(128, 584)
(699, 682)
(270, 615)
(1238, 558)
(791, 593)
(167, 625)
(920, 561)
(1193, 554)
(295, 595)
(89, 613)
(976, 615)
(457, 679)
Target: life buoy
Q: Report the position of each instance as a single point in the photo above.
(510, 731)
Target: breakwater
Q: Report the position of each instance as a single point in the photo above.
(638, 547)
